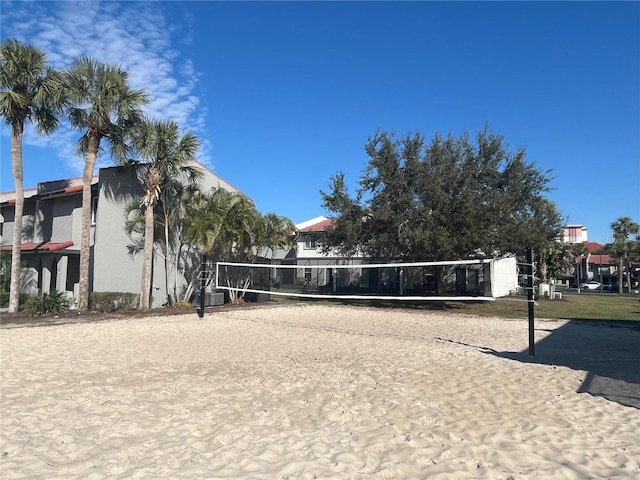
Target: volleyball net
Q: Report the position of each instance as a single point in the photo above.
(462, 280)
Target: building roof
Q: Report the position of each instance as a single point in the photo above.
(318, 224)
(600, 259)
(32, 246)
(48, 189)
(594, 247)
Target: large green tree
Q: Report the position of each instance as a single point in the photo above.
(30, 91)
(622, 246)
(449, 199)
(102, 106)
(169, 161)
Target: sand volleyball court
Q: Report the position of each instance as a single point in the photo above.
(311, 392)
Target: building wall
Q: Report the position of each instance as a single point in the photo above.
(61, 217)
(7, 216)
(42, 220)
(211, 180)
(114, 269)
(8, 220)
(575, 234)
(308, 248)
(28, 223)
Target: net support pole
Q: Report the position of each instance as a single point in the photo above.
(203, 284)
(531, 301)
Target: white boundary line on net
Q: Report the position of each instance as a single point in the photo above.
(362, 265)
(428, 298)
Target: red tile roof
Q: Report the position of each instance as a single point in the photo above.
(31, 246)
(594, 247)
(598, 259)
(321, 226)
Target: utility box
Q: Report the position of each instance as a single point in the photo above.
(211, 299)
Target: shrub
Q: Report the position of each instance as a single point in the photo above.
(112, 301)
(54, 303)
(22, 299)
(183, 305)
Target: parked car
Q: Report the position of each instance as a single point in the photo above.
(591, 285)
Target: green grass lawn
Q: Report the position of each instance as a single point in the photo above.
(571, 307)
(590, 306)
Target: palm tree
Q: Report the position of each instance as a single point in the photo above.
(172, 218)
(276, 233)
(216, 222)
(222, 225)
(30, 92)
(623, 228)
(102, 106)
(170, 158)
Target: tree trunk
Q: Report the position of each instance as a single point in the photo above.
(145, 294)
(16, 164)
(620, 274)
(166, 260)
(85, 238)
(628, 267)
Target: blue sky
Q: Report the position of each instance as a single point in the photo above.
(284, 95)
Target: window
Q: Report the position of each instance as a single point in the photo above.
(467, 280)
(310, 242)
(94, 209)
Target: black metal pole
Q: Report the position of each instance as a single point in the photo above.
(531, 301)
(203, 284)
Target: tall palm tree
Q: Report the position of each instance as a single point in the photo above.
(170, 162)
(30, 91)
(623, 228)
(104, 107)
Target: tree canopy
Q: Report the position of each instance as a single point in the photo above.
(624, 248)
(448, 199)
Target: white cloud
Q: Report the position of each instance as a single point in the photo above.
(133, 35)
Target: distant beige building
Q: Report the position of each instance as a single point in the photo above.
(574, 234)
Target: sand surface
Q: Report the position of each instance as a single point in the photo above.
(307, 391)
